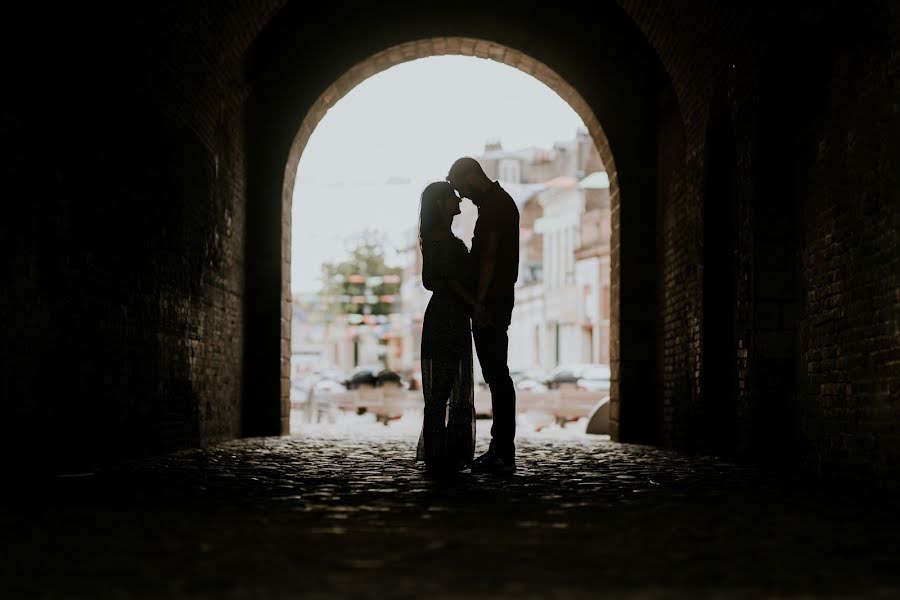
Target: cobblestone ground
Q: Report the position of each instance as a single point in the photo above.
(334, 513)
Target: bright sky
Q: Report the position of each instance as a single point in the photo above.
(409, 123)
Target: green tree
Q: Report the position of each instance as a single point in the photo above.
(363, 283)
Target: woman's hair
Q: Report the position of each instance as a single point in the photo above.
(429, 211)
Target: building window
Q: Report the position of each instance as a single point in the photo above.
(509, 170)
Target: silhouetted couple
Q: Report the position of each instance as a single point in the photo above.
(472, 296)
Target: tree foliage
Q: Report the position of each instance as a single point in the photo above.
(363, 283)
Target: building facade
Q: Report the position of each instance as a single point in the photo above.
(562, 295)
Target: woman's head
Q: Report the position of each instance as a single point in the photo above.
(439, 204)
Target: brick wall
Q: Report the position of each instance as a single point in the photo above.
(810, 93)
(698, 67)
(123, 230)
(846, 157)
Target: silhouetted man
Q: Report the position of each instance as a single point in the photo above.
(495, 254)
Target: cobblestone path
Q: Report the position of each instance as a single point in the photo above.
(329, 514)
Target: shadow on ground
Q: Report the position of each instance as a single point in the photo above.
(333, 514)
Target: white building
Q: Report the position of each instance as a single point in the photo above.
(563, 205)
(592, 268)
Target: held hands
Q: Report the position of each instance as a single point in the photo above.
(481, 317)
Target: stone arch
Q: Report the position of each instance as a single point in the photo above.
(284, 112)
(438, 47)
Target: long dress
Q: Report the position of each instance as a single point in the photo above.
(448, 430)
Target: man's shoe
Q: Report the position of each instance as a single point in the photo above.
(483, 458)
(496, 465)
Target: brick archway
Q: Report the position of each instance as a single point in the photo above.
(604, 67)
(381, 61)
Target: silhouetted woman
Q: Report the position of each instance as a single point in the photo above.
(447, 442)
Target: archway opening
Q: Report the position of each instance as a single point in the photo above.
(351, 331)
(295, 77)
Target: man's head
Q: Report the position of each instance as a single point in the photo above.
(467, 177)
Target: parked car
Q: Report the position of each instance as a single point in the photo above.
(563, 374)
(595, 379)
(328, 386)
(363, 375)
(533, 373)
(528, 384)
(572, 373)
(388, 376)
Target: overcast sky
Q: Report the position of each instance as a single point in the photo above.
(409, 122)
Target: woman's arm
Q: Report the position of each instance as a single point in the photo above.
(432, 271)
(461, 291)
